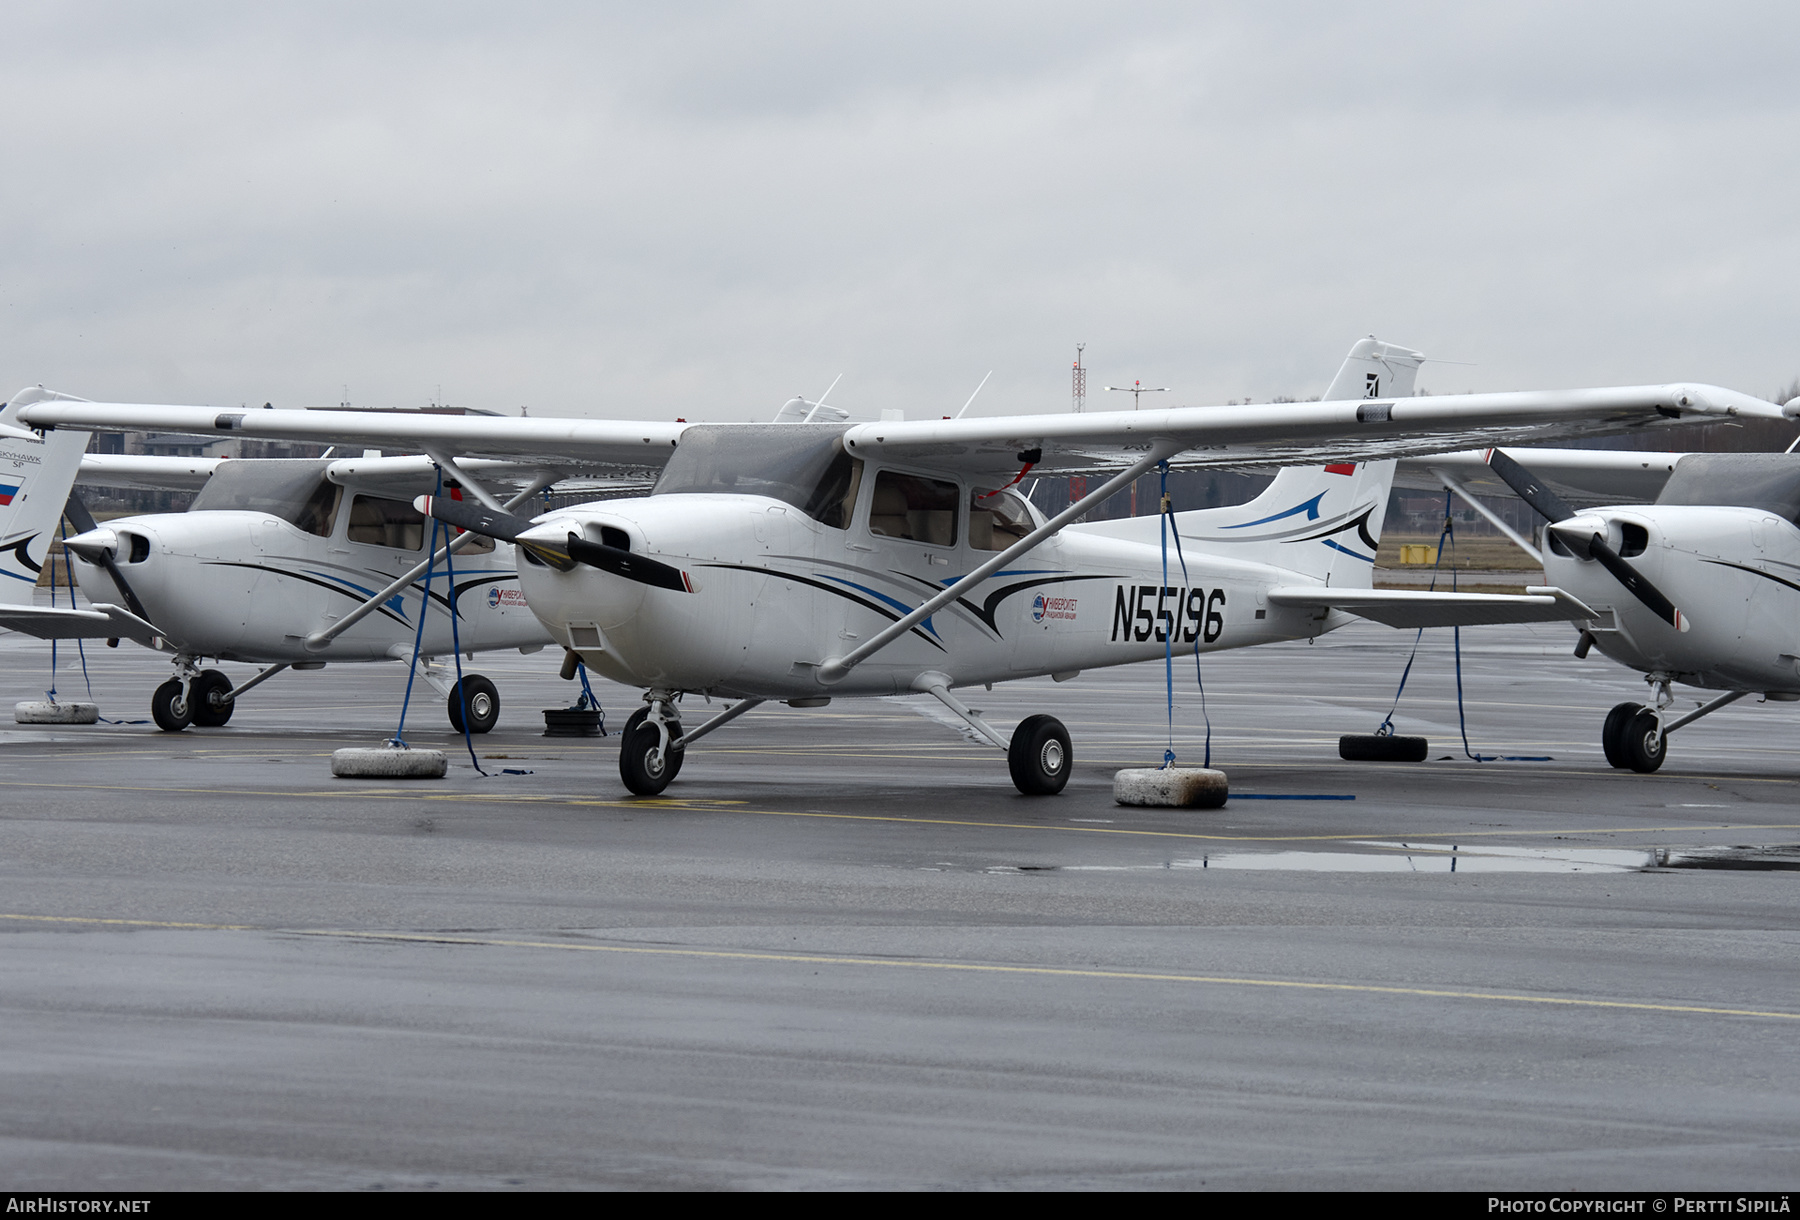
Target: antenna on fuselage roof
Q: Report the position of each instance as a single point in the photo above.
(971, 401)
(820, 404)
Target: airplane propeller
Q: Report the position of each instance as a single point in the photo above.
(509, 527)
(1582, 540)
(84, 522)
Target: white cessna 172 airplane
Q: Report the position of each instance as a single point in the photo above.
(1701, 587)
(280, 563)
(803, 562)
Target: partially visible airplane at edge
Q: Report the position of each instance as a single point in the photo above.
(284, 563)
(1701, 587)
(802, 562)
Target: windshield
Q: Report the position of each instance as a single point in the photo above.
(282, 487)
(800, 464)
(1769, 481)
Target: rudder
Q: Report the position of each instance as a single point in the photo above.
(36, 475)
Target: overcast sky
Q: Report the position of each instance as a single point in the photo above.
(704, 209)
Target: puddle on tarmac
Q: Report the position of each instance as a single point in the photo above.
(1384, 857)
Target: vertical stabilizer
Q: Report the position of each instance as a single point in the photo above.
(1374, 369)
(1322, 522)
(36, 475)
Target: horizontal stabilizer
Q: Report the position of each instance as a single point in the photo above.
(1417, 608)
(102, 622)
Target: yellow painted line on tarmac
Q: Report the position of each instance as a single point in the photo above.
(731, 806)
(135, 923)
(1060, 972)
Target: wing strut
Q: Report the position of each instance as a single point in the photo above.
(1463, 493)
(319, 639)
(834, 669)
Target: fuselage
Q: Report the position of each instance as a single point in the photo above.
(1733, 572)
(770, 593)
(250, 586)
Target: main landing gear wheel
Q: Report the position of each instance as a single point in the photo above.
(1378, 747)
(1039, 757)
(1644, 743)
(643, 772)
(1612, 736)
(170, 708)
(206, 699)
(483, 700)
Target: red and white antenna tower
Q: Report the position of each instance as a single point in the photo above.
(1078, 380)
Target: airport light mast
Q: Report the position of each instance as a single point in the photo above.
(1137, 388)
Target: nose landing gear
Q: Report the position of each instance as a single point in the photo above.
(648, 763)
(1638, 737)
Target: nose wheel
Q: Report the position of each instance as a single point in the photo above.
(1633, 738)
(207, 699)
(646, 763)
(170, 708)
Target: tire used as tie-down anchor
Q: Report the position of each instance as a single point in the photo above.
(1382, 747)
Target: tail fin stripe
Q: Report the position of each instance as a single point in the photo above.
(1310, 508)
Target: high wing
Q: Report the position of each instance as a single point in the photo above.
(621, 446)
(1417, 608)
(1582, 477)
(1294, 433)
(1282, 433)
(145, 472)
(396, 477)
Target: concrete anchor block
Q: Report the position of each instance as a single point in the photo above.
(1171, 787)
(42, 711)
(389, 763)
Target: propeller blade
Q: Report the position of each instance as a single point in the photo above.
(1548, 504)
(1552, 508)
(485, 521)
(78, 515)
(623, 563)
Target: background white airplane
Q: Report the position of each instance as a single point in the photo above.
(1701, 587)
(279, 563)
(804, 561)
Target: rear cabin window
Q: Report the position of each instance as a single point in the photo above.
(390, 523)
(997, 520)
(915, 508)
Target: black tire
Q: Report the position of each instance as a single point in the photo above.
(1039, 757)
(1371, 747)
(1612, 734)
(483, 702)
(206, 702)
(169, 707)
(635, 745)
(1644, 747)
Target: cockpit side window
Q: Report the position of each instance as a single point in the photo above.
(915, 508)
(834, 499)
(319, 513)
